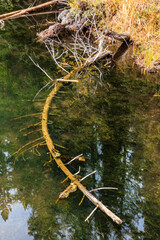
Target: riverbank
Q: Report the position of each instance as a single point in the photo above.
(138, 21)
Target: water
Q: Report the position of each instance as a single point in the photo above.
(116, 127)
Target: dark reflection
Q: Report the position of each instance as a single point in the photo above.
(115, 124)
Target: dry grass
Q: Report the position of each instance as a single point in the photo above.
(138, 18)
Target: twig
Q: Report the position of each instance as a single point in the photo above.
(97, 189)
(91, 213)
(73, 159)
(53, 56)
(29, 115)
(23, 11)
(24, 146)
(66, 80)
(87, 175)
(26, 134)
(78, 171)
(35, 14)
(37, 65)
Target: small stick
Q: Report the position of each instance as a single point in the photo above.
(29, 126)
(53, 56)
(82, 199)
(29, 115)
(26, 134)
(78, 171)
(27, 144)
(23, 11)
(66, 80)
(37, 65)
(73, 159)
(34, 14)
(97, 189)
(60, 146)
(91, 213)
(87, 175)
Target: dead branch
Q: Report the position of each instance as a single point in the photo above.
(36, 14)
(25, 116)
(88, 175)
(24, 11)
(103, 188)
(73, 159)
(66, 80)
(74, 182)
(91, 214)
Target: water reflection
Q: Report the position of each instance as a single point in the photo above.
(116, 127)
(15, 225)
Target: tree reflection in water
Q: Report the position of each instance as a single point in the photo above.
(116, 127)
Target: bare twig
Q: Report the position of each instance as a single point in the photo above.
(34, 14)
(78, 171)
(107, 188)
(37, 65)
(73, 159)
(87, 175)
(66, 80)
(52, 52)
(91, 214)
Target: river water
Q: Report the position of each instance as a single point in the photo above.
(113, 122)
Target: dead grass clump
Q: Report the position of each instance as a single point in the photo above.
(138, 18)
(141, 20)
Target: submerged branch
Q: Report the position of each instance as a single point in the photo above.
(56, 156)
(91, 214)
(88, 175)
(103, 188)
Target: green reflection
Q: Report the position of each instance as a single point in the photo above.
(115, 124)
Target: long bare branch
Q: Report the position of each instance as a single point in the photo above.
(35, 8)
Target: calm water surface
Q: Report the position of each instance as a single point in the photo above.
(114, 123)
